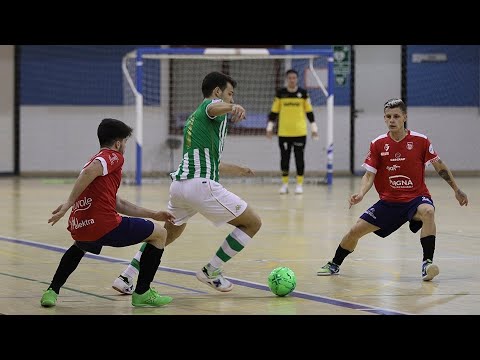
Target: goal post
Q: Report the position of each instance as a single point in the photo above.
(162, 83)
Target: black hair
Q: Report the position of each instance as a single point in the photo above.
(111, 130)
(291, 71)
(214, 79)
(395, 103)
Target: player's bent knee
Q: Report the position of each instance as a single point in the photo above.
(253, 224)
(173, 232)
(430, 212)
(256, 223)
(360, 229)
(158, 238)
(426, 212)
(249, 222)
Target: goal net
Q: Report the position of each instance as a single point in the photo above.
(162, 86)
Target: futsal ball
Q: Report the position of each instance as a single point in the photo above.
(282, 281)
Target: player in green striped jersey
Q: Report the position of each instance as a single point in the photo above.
(196, 189)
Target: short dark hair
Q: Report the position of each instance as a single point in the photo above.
(111, 130)
(395, 103)
(214, 79)
(291, 71)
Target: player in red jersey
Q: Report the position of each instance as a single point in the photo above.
(396, 166)
(95, 221)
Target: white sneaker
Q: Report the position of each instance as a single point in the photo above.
(299, 189)
(429, 270)
(284, 189)
(124, 285)
(214, 280)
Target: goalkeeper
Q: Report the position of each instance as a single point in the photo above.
(289, 108)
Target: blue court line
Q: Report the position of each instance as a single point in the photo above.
(249, 284)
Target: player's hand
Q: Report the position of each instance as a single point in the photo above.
(245, 171)
(238, 113)
(315, 135)
(461, 197)
(164, 216)
(58, 213)
(355, 199)
(269, 134)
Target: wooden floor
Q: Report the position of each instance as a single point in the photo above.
(299, 231)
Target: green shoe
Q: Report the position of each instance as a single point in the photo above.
(150, 298)
(49, 298)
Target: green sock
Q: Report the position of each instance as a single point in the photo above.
(134, 267)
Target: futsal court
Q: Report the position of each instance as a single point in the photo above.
(302, 232)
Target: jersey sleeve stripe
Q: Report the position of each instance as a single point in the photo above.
(369, 168)
(104, 165)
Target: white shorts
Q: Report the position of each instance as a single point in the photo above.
(207, 197)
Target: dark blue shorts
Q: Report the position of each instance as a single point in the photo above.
(390, 216)
(130, 231)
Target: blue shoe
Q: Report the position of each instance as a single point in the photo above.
(328, 269)
(429, 270)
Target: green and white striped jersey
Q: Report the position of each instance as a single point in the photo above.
(203, 141)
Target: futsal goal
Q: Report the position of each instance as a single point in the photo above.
(162, 86)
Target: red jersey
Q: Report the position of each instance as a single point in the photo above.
(400, 166)
(94, 212)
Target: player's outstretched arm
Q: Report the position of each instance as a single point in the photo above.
(442, 169)
(234, 170)
(85, 178)
(222, 108)
(125, 207)
(365, 186)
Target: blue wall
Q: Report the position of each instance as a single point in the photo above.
(451, 83)
(72, 74)
(92, 75)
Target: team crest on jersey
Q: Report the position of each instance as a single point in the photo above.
(410, 145)
(113, 158)
(430, 149)
(385, 153)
